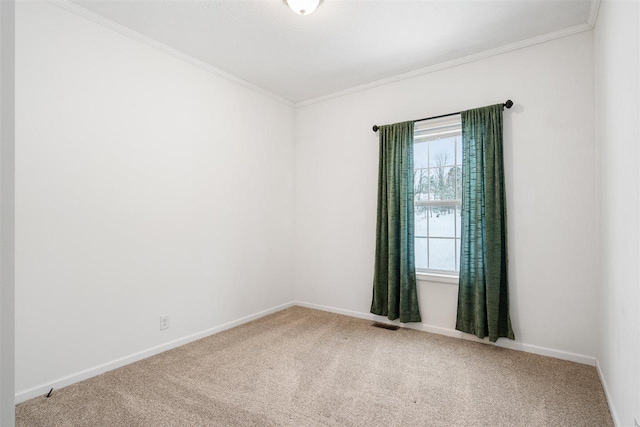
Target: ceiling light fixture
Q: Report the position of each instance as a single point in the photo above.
(303, 7)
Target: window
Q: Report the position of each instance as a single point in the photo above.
(437, 154)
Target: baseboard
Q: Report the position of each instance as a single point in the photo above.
(114, 364)
(545, 351)
(105, 367)
(612, 410)
(505, 343)
(358, 314)
(369, 316)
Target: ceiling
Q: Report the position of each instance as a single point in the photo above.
(343, 44)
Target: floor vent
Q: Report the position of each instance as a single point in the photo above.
(386, 326)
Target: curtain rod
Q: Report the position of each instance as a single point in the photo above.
(507, 104)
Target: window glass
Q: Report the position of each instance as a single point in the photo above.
(437, 195)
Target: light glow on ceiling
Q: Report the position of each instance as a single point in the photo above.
(303, 7)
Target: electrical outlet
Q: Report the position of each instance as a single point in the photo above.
(164, 322)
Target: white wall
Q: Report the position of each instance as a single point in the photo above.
(145, 186)
(552, 209)
(136, 176)
(7, 187)
(617, 99)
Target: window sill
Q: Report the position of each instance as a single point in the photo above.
(433, 277)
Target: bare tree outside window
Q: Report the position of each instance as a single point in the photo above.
(437, 199)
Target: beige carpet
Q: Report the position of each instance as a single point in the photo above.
(302, 367)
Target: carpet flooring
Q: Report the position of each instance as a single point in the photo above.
(303, 367)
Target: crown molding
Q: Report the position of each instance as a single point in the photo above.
(99, 19)
(454, 62)
(593, 13)
(79, 10)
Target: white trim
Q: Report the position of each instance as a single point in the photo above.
(79, 10)
(593, 13)
(381, 319)
(453, 63)
(374, 317)
(545, 351)
(502, 342)
(433, 277)
(105, 367)
(448, 202)
(99, 19)
(612, 410)
(358, 314)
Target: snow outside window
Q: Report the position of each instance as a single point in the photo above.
(437, 156)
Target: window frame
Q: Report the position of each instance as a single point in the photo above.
(451, 127)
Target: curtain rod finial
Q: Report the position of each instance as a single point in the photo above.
(509, 103)
(375, 128)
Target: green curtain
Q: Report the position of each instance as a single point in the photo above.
(483, 297)
(394, 283)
